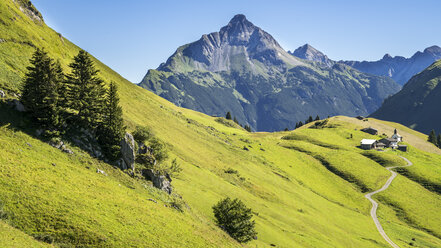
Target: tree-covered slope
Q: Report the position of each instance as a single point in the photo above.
(242, 69)
(296, 199)
(417, 104)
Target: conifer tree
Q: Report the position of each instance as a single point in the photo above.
(235, 120)
(228, 116)
(112, 129)
(248, 128)
(86, 94)
(439, 140)
(432, 137)
(300, 123)
(297, 125)
(40, 91)
(317, 118)
(309, 119)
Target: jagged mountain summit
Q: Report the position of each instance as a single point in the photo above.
(417, 104)
(218, 51)
(399, 68)
(243, 69)
(310, 53)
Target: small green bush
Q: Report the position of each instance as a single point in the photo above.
(142, 134)
(235, 218)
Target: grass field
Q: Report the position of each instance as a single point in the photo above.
(306, 190)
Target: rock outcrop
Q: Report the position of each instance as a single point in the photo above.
(17, 105)
(2, 94)
(159, 181)
(128, 152)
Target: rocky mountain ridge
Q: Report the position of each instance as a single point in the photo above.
(244, 70)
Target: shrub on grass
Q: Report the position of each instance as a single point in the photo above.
(235, 219)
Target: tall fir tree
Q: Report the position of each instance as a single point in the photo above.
(439, 140)
(86, 94)
(112, 129)
(228, 116)
(432, 137)
(40, 91)
(317, 118)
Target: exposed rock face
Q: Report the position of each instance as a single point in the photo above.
(159, 181)
(60, 145)
(399, 68)
(216, 52)
(128, 152)
(310, 53)
(242, 69)
(17, 105)
(2, 94)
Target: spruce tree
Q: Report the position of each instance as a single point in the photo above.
(40, 91)
(297, 125)
(228, 116)
(432, 137)
(317, 118)
(235, 120)
(86, 95)
(300, 123)
(310, 119)
(439, 140)
(112, 129)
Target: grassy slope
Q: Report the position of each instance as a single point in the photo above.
(298, 201)
(11, 237)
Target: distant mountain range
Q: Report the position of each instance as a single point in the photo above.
(244, 70)
(418, 104)
(398, 68)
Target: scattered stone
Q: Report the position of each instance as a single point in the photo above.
(17, 105)
(38, 132)
(2, 94)
(101, 172)
(159, 181)
(128, 152)
(152, 200)
(54, 164)
(29, 144)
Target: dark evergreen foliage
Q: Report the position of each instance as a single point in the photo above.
(300, 123)
(432, 137)
(40, 91)
(228, 116)
(86, 91)
(317, 118)
(248, 128)
(235, 218)
(439, 140)
(309, 120)
(235, 120)
(286, 129)
(112, 129)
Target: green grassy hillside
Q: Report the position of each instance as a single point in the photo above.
(306, 190)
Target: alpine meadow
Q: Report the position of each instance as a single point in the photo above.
(195, 156)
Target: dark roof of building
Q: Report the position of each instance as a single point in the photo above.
(388, 140)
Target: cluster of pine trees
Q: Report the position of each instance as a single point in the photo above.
(310, 119)
(229, 117)
(79, 99)
(436, 140)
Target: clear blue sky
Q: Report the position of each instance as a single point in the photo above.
(132, 36)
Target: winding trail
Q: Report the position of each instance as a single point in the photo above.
(375, 204)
